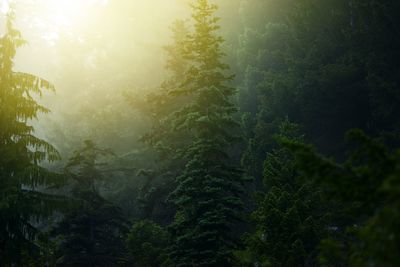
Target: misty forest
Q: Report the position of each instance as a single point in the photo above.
(213, 133)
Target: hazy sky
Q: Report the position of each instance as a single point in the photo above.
(93, 51)
(97, 39)
(49, 24)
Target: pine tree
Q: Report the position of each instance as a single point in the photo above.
(207, 196)
(21, 152)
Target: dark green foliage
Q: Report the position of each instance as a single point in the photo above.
(207, 192)
(147, 243)
(364, 190)
(92, 233)
(289, 219)
(23, 202)
(327, 65)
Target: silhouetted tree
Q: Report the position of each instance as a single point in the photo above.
(92, 233)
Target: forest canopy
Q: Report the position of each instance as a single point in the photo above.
(206, 133)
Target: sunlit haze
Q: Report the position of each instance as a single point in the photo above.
(92, 49)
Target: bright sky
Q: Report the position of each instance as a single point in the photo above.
(53, 17)
(122, 32)
(93, 47)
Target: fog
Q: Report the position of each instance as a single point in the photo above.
(94, 52)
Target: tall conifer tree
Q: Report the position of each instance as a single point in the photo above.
(207, 193)
(21, 152)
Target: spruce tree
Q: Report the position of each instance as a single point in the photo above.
(207, 196)
(21, 152)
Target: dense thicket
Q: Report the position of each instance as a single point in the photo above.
(298, 166)
(327, 66)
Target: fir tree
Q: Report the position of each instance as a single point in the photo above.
(21, 152)
(207, 193)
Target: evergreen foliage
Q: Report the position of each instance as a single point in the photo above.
(23, 203)
(365, 220)
(319, 63)
(92, 233)
(207, 196)
(307, 72)
(289, 219)
(147, 243)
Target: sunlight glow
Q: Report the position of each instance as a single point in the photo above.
(4, 6)
(61, 17)
(69, 13)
